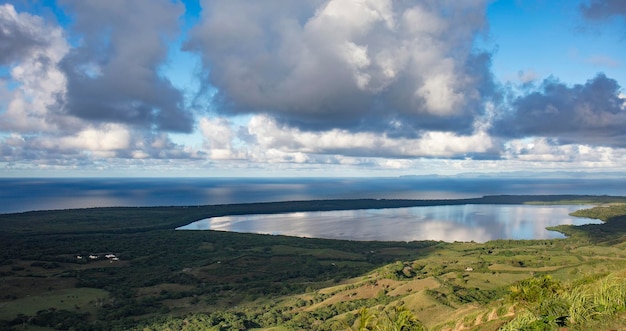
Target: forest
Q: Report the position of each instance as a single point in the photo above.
(128, 269)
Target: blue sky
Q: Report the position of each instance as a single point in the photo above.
(311, 88)
(552, 38)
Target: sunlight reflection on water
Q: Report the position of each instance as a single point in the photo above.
(477, 223)
(23, 194)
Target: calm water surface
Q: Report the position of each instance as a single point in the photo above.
(478, 223)
(24, 194)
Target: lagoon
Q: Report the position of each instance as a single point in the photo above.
(479, 223)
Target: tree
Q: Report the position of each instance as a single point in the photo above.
(365, 320)
(399, 319)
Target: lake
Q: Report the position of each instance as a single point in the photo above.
(479, 223)
(25, 194)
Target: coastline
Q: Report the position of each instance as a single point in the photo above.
(140, 219)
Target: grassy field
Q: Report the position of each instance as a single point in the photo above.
(232, 281)
(83, 299)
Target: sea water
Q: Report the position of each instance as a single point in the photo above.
(26, 194)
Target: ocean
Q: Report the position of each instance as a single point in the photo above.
(27, 194)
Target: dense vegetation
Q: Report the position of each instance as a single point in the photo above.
(163, 279)
(585, 304)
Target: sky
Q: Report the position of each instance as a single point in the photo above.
(311, 87)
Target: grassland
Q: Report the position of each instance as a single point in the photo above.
(228, 281)
(64, 299)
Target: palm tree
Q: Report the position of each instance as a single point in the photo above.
(365, 320)
(399, 319)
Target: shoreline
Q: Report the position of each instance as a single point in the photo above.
(141, 219)
(355, 204)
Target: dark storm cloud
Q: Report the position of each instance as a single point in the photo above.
(385, 66)
(592, 113)
(19, 35)
(113, 75)
(603, 9)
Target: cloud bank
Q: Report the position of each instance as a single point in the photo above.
(378, 66)
(380, 84)
(593, 113)
(113, 73)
